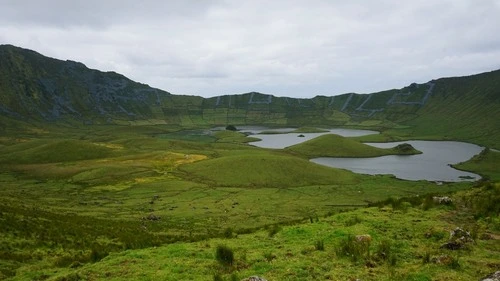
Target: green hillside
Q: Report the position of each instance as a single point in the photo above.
(35, 89)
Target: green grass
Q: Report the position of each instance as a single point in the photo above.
(486, 164)
(51, 151)
(65, 216)
(332, 145)
(292, 253)
(264, 170)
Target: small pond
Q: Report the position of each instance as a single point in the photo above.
(432, 165)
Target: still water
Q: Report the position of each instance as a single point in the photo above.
(432, 165)
(278, 141)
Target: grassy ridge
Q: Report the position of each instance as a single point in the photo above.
(332, 145)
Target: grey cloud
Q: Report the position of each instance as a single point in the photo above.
(293, 47)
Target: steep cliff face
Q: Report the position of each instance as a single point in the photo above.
(37, 88)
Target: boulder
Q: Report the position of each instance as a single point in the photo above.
(153, 217)
(459, 238)
(254, 278)
(442, 200)
(492, 277)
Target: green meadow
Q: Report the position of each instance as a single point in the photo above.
(155, 202)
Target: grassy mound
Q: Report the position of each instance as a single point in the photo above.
(485, 164)
(332, 145)
(264, 170)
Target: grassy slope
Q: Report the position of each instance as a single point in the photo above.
(402, 238)
(463, 108)
(264, 170)
(332, 145)
(486, 164)
(54, 207)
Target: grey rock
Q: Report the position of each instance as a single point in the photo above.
(492, 277)
(254, 278)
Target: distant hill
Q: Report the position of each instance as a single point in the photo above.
(35, 88)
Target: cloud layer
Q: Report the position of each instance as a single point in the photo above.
(287, 48)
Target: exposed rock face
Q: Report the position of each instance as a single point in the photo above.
(492, 277)
(254, 278)
(459, 238)
(442, 200)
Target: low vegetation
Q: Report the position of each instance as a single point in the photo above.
(166, 204)
(332, 145)
(401, 246)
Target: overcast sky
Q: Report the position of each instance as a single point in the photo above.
(286, 48)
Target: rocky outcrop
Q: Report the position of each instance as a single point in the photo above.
(442, 200)
(459, 239)
(254, 278)
(492, 277)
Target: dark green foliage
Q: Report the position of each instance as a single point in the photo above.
(487, 204)
(71, 277)
(97, 255)
(319, 245)
(352, 220)
(231, 128)
(269, 256)
(353, 249)
(224, 255)
(384, 250)
(273, 230)
(428, 203)
(228, 233)
(426, 258)
(218, 277)
(455, 262)
(84, 239)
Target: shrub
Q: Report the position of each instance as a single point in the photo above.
(355, 250)
(269, 256)
(319, 245)
(455, 263)
(224, 255)
(405, 206)
(384, 249)
(426, 258)
(352, 221)
(218, 277)
(428, 203)
(231, 128)
(273, 230)
(228, 233)
(97, 255)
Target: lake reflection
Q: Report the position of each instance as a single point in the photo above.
(432, 164)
